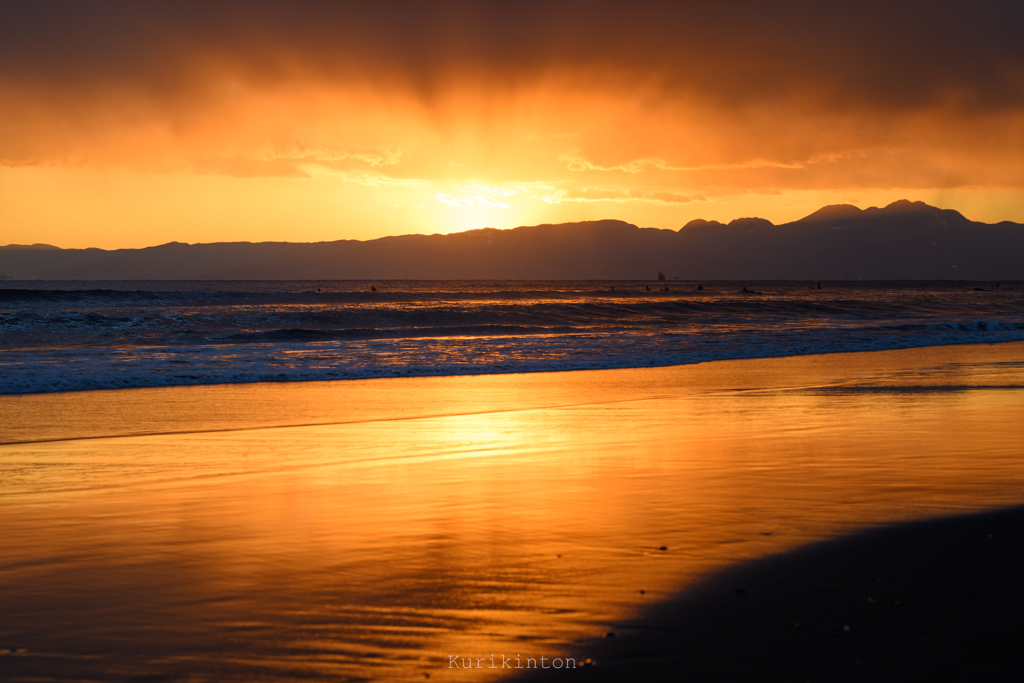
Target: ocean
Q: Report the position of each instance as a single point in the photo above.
(266, 528)
(77, 335)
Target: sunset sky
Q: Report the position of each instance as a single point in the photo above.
(128, 124)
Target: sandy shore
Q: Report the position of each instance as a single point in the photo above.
(930, 601)
(372, 530)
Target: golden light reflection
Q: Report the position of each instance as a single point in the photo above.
(506, 514)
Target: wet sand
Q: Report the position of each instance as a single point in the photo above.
(939, 600)
(372, 530)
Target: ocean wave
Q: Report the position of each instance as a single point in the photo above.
(180, 333)
(295, 358)
(307, 335)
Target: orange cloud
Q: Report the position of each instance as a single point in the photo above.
(645, 105)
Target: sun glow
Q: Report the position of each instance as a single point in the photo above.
(294, 139)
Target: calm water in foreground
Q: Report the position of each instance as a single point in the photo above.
(370, 529)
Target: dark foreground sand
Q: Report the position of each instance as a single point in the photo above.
(930, 601)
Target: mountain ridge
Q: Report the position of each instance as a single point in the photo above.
(904, 240)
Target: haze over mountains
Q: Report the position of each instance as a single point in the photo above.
(905, 240)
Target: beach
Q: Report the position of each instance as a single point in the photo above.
(374, 529)
(938, 600)
(476, 342)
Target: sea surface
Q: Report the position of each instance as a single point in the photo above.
(262, 528)
(75, 335)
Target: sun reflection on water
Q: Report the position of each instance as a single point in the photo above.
(510, 514)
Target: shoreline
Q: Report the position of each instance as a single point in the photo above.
(88, 414)
(938, 599)
(527, 371)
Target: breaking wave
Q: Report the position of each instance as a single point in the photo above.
(57, 336)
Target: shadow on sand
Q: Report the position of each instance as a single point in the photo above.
(940, 600)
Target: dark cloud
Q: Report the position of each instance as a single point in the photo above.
(889, 55)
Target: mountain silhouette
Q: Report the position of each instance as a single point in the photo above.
(904, 240)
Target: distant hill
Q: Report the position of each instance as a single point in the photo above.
(905, 240)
